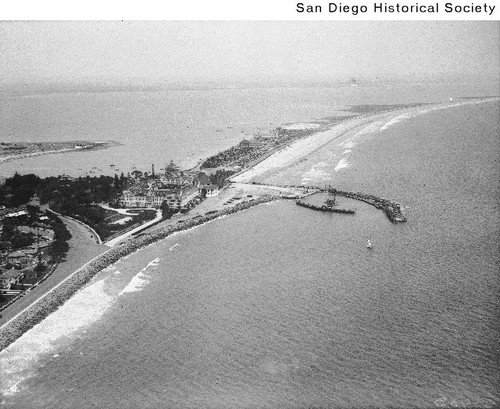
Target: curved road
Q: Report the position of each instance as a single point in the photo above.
(82, 248)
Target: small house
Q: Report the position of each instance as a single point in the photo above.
(18, 258)
(10, 277)
(211, 190)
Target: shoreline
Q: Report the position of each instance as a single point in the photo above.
(290, 154)
(77, 146)
(55, 297)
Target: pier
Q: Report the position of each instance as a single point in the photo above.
(324, 208)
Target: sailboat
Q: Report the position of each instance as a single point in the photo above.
(369, 245)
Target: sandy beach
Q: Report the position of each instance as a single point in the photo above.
(365, 123)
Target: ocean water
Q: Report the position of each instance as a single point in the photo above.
(283, 307)
(154, 127)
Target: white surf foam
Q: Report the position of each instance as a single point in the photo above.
(371, 128)
(140, 280)
(342, 164)
(20, 359)
(316, 174)
(301, 125)
(397, 120)
(349, 144)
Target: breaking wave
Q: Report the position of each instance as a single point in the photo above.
(397, 120)
(21, 359)
(342, 164)
(140, 280)
(316, 174)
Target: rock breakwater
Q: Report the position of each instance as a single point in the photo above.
(390, 208)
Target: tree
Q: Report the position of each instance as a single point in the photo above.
(123, 181)
(116, 183)
(19, 189)
(20, 240)
(219, 177)
(58, 250)
(60, 247)
(171, 167)
(137, 174)
(166, 211)
(40, 268)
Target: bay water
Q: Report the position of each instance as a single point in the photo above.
(184, 125)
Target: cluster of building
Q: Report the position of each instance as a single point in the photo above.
(180, 190)
(257, 141)
(19, 264)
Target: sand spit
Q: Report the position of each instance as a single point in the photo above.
(31, 149)
(301, 148)
(55, 298)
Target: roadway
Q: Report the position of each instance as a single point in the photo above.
(82, 248)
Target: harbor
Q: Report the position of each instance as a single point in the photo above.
(390, 208)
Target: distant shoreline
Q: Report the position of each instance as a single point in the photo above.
(11, 151)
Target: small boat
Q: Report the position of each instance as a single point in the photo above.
(369, 245)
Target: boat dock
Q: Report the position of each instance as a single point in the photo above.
(324, 208)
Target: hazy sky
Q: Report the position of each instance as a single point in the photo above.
(228, 50)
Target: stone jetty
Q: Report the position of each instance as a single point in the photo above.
(390, 208)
